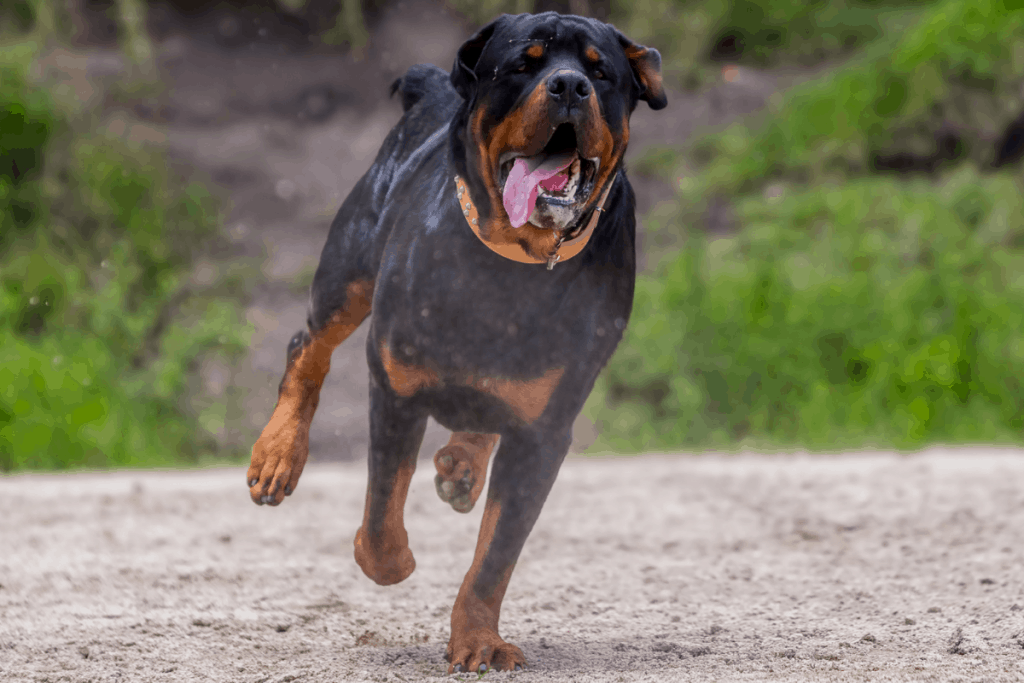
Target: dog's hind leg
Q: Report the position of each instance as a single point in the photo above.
(281, 451)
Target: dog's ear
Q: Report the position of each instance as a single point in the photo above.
(646, 65)
(464, 71)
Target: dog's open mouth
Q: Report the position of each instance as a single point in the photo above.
(553, 184)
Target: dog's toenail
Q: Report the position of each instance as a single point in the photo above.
(458, 668)
(447, 461)
(267, 499)
(253, 482)
(447, 488)
(288, 490)
(518, 668)
(482, 668)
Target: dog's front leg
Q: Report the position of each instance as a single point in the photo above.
(524, 470)
(281, 451)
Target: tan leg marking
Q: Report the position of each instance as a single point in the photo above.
(281, 451)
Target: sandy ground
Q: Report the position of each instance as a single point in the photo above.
(855, 567)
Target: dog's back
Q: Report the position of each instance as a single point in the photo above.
(428, 102)
(356, 238)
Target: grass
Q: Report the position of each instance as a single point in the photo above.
(867, 314)
(101, 327)
(850, 307)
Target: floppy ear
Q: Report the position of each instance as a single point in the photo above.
(646, 65)
(463, 72)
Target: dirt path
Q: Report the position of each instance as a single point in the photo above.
(856, 567)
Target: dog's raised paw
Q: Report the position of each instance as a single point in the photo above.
(462, 469)
(277, 460)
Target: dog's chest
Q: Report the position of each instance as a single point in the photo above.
(460, 310)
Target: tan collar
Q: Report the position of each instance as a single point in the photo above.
(564, 248)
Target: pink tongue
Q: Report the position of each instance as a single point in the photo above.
(520, 195)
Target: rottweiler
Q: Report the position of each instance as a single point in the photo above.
(492, 240)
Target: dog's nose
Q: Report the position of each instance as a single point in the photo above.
(570, 87)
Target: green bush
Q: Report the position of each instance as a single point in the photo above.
(99, 328)
(874, 313)
(772, 33)
(849, 309)
(765, 34)
(957, 71)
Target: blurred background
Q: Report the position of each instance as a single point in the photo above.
(831, 221)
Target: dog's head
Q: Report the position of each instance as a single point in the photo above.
(545, 120)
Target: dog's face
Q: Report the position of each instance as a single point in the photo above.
(546, 115)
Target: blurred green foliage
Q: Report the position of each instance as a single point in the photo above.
(848, 308)
(959, 71)
(871, 313)
(773, 33)
(100, 330)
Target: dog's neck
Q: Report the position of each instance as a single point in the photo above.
(548, 246)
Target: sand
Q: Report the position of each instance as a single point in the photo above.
(875, 567)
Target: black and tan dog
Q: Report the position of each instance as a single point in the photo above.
(493, 241)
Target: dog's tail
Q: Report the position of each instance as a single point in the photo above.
(418, 81)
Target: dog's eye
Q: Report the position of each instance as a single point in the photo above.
(521, 68)
(599, 74)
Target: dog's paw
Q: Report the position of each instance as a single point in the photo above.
(386, 563)
(462, 469)
(482, 650)
(277, 460)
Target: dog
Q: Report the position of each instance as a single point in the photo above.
(491, 243)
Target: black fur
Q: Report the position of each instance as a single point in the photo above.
(442, 300)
